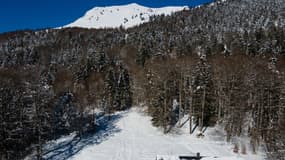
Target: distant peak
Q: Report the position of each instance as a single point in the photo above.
(128, 15)
(133, 4)
(122, 5)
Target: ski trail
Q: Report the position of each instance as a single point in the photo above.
(139, 140)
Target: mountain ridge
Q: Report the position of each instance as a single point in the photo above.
(127, 16)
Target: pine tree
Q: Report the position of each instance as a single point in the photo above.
(203, 96)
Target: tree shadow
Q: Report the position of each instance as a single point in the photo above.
(104, 129)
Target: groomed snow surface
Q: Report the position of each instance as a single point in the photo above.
(129, 135)
(126, 16)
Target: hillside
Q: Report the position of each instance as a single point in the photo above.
(220, 63)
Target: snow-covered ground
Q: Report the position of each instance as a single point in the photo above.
(125, 15)
(130, 135)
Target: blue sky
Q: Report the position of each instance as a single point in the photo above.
(36, 14)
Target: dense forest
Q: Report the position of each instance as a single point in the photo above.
(221, 63)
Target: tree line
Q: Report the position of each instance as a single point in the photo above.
(244, 94)
(39, 103)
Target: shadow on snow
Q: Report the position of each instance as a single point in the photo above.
(104, 129)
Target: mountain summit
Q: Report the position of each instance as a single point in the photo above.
(125, 15)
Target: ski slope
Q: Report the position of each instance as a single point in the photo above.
(139, 140)
(129, 135)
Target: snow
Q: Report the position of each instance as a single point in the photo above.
(125, 15)
(205, 158)
(130, 135)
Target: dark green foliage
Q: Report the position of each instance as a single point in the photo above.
(143, 55)
(118, 91)
(202, 82)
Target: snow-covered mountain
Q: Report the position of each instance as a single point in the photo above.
(115, 16)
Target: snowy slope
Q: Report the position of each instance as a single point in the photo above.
(130, 135)
(138, 139)
(115, 16)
